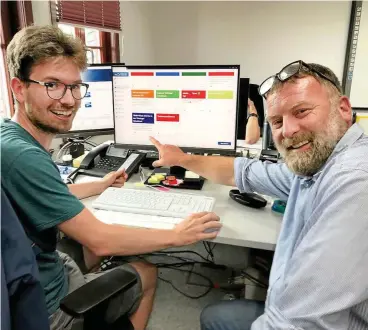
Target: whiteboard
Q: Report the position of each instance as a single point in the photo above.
(359, 83)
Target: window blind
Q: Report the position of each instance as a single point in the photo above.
(98, 14)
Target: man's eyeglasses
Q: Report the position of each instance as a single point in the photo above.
(287, 72)
(56, 90)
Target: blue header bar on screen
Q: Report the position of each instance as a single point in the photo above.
(168, 74)
(96, 75)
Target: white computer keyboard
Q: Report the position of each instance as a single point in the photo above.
(136, 220)
(165, 204)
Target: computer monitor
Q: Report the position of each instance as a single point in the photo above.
(243, 107)
(194, 107)
(96, 113)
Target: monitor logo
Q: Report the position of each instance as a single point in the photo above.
(120, 74)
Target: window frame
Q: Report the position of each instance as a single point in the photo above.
(109, 43)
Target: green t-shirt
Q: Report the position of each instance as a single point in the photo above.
(41, 200)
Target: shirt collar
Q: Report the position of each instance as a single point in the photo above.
(350, 136)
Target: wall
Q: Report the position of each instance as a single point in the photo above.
(174, 31)
(136, 43)
(261, 36)
(41, 12)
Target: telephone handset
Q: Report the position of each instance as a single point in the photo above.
(92, 158)
(107, 158)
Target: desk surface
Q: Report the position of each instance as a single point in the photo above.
(242, 226)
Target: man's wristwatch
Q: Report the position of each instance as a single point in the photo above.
(252, 115)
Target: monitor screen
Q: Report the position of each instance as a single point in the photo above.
(96, 113)
(193, 107)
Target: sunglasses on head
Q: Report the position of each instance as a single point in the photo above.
(286, 73)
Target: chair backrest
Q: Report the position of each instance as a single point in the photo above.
(23, 304)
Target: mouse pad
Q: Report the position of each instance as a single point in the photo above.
(174, 181)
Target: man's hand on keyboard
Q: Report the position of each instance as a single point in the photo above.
(114, 179)
(197, 227)
(169, 154)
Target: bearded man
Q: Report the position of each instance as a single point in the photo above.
(318, 278)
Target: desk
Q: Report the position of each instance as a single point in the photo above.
(242, 226)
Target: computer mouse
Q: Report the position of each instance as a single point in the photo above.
(211, 230)
(248, 199)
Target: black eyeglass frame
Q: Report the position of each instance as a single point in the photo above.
(301, 65)
(66, 86)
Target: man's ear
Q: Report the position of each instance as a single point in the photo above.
(18, 87)
(345, 109)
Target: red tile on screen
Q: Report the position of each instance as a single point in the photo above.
(186, 94)
(171, 117)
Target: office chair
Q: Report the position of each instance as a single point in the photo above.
(23, 305)
(91, 301)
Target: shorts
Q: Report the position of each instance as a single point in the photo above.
(126, 303)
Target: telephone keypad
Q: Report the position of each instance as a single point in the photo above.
(109, 163)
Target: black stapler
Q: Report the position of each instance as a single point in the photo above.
(248, 199)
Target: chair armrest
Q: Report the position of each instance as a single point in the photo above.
(97, 291)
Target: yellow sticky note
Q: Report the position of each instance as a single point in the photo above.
(153, 179)
(159, 177)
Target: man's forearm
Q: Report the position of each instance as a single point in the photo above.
(253, 131)
(86, 189)
(215, 168)
(103, 240)
(123, 241)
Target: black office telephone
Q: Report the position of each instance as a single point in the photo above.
(107, 158)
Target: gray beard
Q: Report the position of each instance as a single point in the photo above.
(312, 160)
(309, 162)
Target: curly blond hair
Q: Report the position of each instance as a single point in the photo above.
(35, 44)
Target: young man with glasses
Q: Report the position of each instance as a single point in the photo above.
(45, 69)
(319, 273)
